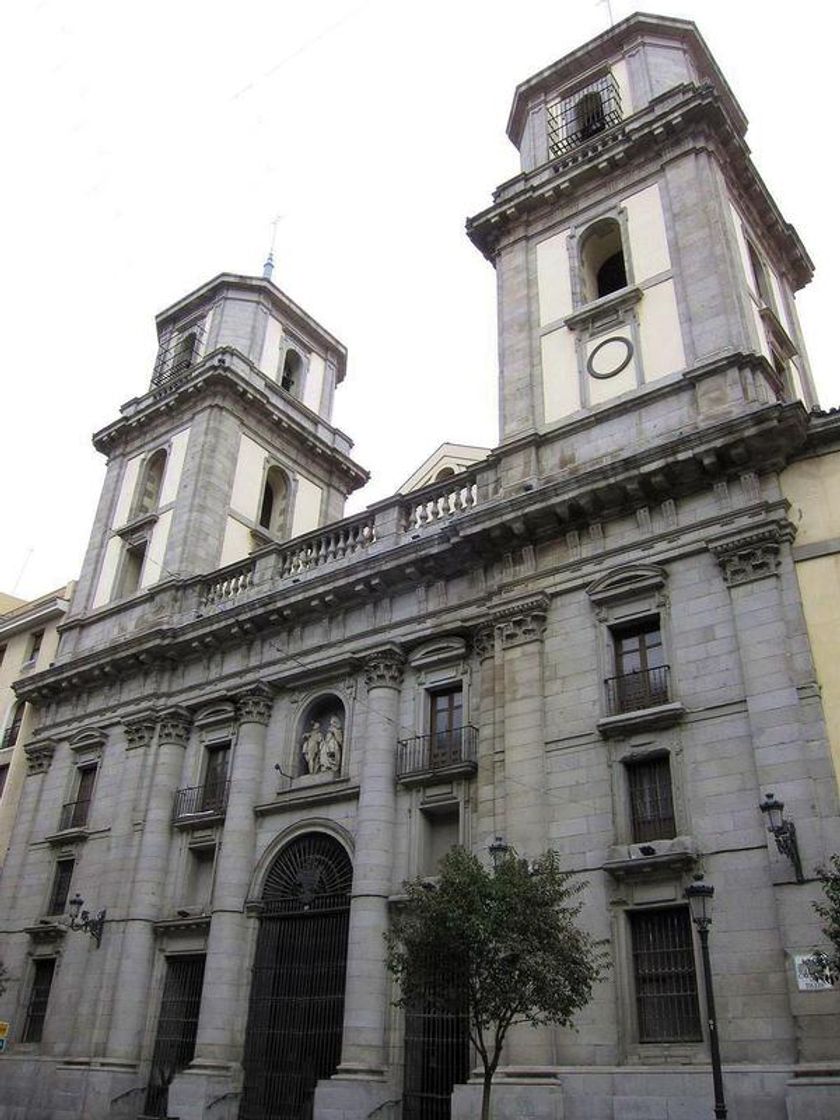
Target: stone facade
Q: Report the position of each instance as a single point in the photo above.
(591, 640)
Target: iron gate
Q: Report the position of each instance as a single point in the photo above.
(437, 1056)
(176, 1028)
(293, 1038)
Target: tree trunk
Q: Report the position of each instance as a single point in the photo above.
(485, 1094)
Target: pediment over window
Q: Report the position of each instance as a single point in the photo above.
(626, 582)
(90, 739)
(440, 651)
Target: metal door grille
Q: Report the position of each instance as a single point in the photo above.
(176, 1029)
(437, 1056)
(296, 1008)
(666, 984)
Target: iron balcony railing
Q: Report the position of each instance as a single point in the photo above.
(209, 799)
(580, 117)
(645, 688)
(74, 814)
(438, 751)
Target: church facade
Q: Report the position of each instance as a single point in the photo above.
(264, 716)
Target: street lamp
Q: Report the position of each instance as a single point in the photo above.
(784, 832)
(81, 920)
(700, 895)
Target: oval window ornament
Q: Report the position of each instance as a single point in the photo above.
(609, 357)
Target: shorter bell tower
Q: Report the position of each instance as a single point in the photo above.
(231, 448)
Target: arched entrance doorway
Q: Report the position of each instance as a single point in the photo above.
(295, 1015)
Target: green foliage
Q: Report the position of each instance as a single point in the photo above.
(828, 963)
(506, 939)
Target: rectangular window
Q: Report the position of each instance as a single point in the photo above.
(4, 773)
(10, 735)
(214, 789)
(651, 800)
(2, 654)
(131, 570)
(663, 971)
(34, 647)
(176, 1029)
(36, 1011)
(76, 812)
(446, 719)
(61, 886)
(641, 677)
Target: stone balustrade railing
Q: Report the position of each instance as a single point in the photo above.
(228, 585)
(333, 543)
(440, 502)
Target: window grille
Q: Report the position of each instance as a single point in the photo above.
(665, 980)
(176, 1030)
(651, 800)
(583, 115)
(36, 1011)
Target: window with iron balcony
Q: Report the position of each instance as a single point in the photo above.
(641, 677)
(450, 744)
(74, 814)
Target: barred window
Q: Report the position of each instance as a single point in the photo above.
(578, 117)
(665, 980)
(36, 1011)
(651, 799)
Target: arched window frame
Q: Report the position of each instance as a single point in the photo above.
(583, 275)
(291, 350)
(140, 506)
(279, 523)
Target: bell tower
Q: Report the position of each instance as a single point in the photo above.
(231, 448)
(638, 248)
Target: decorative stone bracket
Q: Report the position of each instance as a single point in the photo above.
(752, 556)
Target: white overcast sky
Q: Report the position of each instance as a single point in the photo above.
(149, 146)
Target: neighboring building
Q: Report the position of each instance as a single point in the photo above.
(811, 483)
(28, 641)
(590, 639)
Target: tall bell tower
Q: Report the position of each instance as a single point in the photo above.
(638, 248)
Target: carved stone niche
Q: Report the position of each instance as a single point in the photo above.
(320, 738)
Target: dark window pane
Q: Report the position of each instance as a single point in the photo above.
(651, 800)
(61, 886)
(36, 1011)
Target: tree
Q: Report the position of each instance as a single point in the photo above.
(826, 965)
(507, 942)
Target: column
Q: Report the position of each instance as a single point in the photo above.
(491, 809)
(219, 1039)
(520, 628)
(366, 999)
(134, 975)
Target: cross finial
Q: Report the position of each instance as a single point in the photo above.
(609, 10)
(268, 267)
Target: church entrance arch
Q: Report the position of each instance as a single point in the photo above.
(296, 1009)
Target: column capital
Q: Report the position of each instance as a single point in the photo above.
(752, 555)
(484, 640)
(139, 731)
(384, 669)
(39, 756)
(255, 705)
(523, 621)
(174, 726)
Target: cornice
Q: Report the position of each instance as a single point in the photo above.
(756, 441)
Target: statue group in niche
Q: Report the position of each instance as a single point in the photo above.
(322, 750)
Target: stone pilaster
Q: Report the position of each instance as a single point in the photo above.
(137, 946)
(491, 808)
(219, 1040)
(520, 628)
(367, 993)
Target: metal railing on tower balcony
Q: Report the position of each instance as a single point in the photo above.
(581, 116)
(645, 688)
(174, 359)
(449, 750)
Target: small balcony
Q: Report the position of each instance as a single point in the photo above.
(641, 699)
(438, 757)
(74, 814)
(200, 804)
